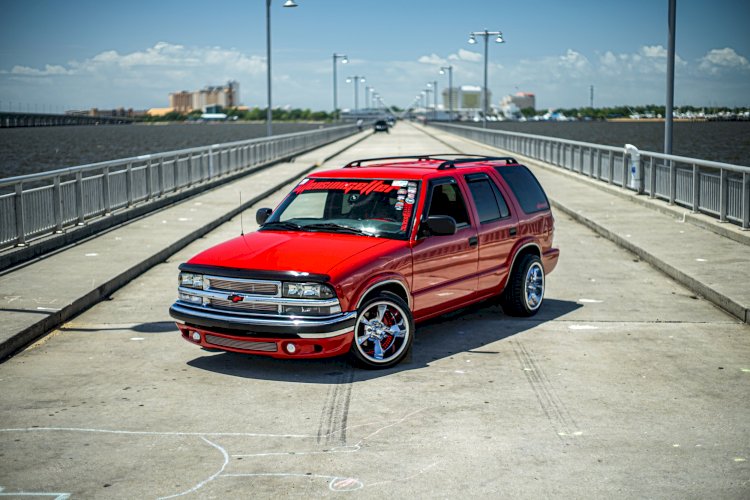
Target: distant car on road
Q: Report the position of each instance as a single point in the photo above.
(353, 257)
(381, 126)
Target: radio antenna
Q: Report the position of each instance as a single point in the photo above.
(242, 225)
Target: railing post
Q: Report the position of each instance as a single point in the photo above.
(162, 179)
(652, 176)
(211, 162)
(149, 181)
(79, 198)
(625, 170)
(723, 195)
(611, 174)
(129, 183)
(105, 191)
(696, 189)
(745, 200)
(190, 169)
(672, 182)
(20, 226)
(57, 204)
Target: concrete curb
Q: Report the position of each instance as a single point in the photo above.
(30, 334)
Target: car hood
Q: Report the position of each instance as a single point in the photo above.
(304, 252)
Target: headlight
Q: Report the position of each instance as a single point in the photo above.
(308, 291)
(191, 280)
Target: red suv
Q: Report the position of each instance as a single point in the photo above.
(353, 257)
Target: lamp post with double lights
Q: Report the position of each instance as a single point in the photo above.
(356, 79)
(472, 40)
(426, 93)
(269, 111)
(344, 60)
(449, 69)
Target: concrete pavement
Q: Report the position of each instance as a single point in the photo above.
(625, 385)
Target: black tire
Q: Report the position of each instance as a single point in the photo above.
(383, 332)
(524, 293)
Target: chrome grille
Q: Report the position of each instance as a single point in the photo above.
(270, 288)
(241, 344)
(251, 307)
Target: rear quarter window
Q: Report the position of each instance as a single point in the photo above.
(525, 187)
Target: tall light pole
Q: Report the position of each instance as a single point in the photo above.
(356, 79)
(449, 69)
(344, 60)
(670, 80)
(269, 112)
(473, 39)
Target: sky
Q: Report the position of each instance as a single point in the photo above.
(78, 54)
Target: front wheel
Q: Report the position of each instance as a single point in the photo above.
(524, 293)
(383, 332)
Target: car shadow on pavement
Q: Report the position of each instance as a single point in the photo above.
(469, 329)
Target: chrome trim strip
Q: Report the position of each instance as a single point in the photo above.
(325, 335)
(290, 323)
(277, 284)
(265, 299)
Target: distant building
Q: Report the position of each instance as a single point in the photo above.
(465, 98)
(511, 105)
(225, 96)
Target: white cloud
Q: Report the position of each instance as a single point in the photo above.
(653, 51)
(49, 70)
(726, 58)
(466, 55)
(432, 59)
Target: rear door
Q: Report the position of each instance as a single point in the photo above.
(445, 267)
(497, 231)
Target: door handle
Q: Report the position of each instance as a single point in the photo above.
(513, 231)
(473, 241)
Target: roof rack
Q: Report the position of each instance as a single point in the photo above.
(443, 166)
(452, 163)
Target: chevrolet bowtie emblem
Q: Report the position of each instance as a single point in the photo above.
(235, 298)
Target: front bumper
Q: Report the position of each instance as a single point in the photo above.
(325, 337)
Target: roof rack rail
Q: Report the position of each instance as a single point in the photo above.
(452, 163)
(446, 163)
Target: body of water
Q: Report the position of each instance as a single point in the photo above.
(31, 150)
(727, 142)
(38, 149)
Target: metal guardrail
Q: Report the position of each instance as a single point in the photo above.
(36, 205)
(717, 189)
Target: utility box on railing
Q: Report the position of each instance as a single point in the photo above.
(636, 172)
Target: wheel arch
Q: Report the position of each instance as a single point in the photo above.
(390, 284)
(527, 248)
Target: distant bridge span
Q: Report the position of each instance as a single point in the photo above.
(10, 119)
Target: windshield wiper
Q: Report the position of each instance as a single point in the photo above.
(338, 228)
(282, 225)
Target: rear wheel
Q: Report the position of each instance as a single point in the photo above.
(383, 332)
(524, 292)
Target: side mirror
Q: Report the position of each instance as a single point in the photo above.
(262, 215)
(441, 225)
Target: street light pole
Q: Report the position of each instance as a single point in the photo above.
(356, 80)
(450, 87)
(473, 39)
(344, 60)
(269, 114)
(670, 80)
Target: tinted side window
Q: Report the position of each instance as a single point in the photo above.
(485, 201)
(527, 189)
(447, 200)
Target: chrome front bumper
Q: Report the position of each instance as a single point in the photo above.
(294, 327)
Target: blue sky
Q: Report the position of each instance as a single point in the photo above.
(83, 53)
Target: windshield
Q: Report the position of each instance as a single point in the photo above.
(370, 207)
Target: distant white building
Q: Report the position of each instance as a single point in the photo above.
(466, 98)
(511, 105)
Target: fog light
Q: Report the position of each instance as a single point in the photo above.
(196, 336)
(291, 348)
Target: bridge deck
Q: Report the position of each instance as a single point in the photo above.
(625, 384)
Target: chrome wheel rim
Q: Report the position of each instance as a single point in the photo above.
(534, 286)
(382, 331)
